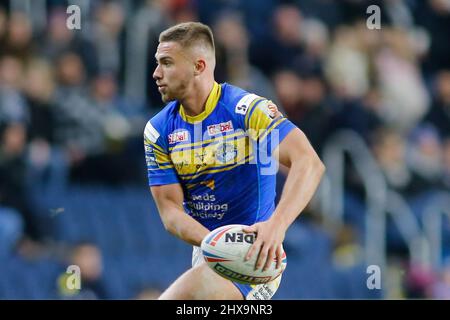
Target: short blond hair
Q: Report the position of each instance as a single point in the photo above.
(188, 34)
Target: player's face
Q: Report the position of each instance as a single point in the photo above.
(174, 71)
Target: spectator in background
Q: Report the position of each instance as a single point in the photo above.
(47, 165)
(13, 106)
(58, 39)
(424, 156)
(287, 86)
(316, 109)
(347, 248)
(389, 148)
(405, 99)
(115, 164)
(89, 259)
(282, 48)
(78, 127)
(304, 100)
(106, 99)
(232, 44)
(108, 37)
(316, 41)
(13, 192)
(347, 66)
(359, 115)
(17, 41)
(39, 88)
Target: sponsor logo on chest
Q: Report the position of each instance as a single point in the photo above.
(178, 136)
(220, 128)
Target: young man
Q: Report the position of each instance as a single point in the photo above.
(212, 155)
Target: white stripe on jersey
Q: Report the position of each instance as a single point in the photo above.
(244, 103)
(150, 133)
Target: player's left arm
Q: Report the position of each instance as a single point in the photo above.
(306, 171)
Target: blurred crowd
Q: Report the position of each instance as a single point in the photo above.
(73, 103)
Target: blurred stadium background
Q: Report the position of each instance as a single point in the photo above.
(374, 103)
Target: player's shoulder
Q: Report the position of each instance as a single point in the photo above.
(237, 100)
(158, 124)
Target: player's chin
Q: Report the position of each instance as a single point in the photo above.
(166, 98)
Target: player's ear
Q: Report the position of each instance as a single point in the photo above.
(199, 66)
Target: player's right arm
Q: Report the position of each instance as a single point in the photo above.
(169, 200)
(167, 191)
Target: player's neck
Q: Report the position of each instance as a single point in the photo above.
(195, 103)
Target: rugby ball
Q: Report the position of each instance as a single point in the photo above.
(224, 250)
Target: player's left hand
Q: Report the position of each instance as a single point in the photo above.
(270, 236)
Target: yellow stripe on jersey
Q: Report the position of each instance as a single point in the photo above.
(263, 120)
(259, 120)
(262, 134)
(199, 143)
(210, 105)
(161, 157)
(221, 153)
(243, 161)
(169, 166)
(249, 110)
(155, 146)
(208, 183)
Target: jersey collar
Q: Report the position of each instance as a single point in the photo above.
(210, 105)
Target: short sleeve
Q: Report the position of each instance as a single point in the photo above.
(265, 124)
(160, 169)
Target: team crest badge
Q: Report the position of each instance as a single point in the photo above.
(226, 152)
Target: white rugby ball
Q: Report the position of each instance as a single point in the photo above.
(224, 250)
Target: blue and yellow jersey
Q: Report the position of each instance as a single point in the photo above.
(222, 157)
